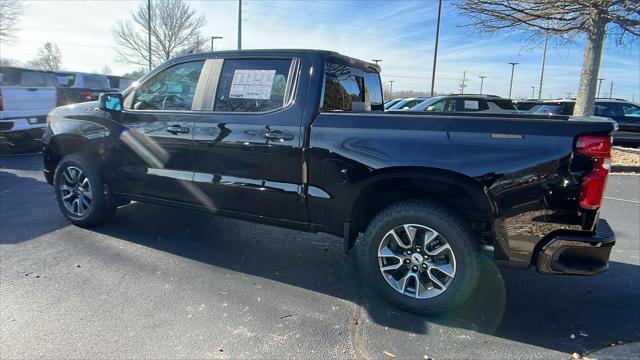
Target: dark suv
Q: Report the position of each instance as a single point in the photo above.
(625, 113)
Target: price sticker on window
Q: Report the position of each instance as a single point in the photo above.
(252, 84)
(471, 105)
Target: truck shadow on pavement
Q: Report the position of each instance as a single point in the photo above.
(569, 314)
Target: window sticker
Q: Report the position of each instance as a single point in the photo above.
(471, 104)
(252, 84)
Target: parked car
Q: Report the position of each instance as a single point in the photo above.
(390, 103)
(406, 104)
(76, 87)
(26, 97)
(625, 113)
(258, 136)
(467, 103)
(119, 82)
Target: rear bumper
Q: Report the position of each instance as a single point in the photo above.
(578, 254)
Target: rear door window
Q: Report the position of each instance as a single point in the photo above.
(631, 111)
(608, 109)
(66, 80)
(254, 85)
(347, 88)
(95, 82)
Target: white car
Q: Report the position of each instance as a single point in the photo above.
(26, 97)
(468, 104)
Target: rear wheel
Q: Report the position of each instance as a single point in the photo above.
(80, 191)
(420, 256)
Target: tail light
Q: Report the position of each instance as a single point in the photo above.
(598, 148)
(86, 95)
(1, 102)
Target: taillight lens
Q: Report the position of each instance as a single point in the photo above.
(597, 148)
(86, 95)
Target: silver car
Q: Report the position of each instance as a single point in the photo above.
(467, 103)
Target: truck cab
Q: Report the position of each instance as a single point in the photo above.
(300, 139)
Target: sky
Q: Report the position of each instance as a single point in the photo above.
(401, 33)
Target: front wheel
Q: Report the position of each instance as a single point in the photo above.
(80, 191)
(420, 256)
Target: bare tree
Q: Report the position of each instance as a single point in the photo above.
(135, 75)
(48, 58)
(10, 11)
(175, 29)
(565, 19)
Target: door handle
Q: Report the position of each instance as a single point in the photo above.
(177, 129)
(278, 136)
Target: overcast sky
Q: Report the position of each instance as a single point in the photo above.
(401, 33)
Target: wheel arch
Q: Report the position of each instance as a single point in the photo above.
(463, 194)
(64, 144)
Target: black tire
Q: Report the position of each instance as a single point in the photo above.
(101, 208)
(446, 223)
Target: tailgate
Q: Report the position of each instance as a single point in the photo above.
(17, 98)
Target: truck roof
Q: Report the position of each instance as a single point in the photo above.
(271, 52)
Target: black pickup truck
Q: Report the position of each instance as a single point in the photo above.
(299, 139)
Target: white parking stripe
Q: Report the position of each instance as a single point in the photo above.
(625, 200)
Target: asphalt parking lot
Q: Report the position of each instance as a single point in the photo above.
(164, 283)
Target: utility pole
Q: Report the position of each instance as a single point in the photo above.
(239, 24)
(600, 80)
(482, 77)
(513, 66)
(435, 52)
(533, 92)
(569, 95)
(544, 60)
(376, 61)
(149, 29)
(464, 80)
(611, 91)
(391, 89)
(213, 38)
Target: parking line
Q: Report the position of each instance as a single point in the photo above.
(625, 200)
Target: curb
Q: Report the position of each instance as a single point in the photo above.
(625, 169)
(625, 351)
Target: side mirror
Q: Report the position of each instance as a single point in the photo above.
(110, 102)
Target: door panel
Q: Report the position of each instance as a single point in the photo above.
(156, 162)
(157, 141)
(247, 161)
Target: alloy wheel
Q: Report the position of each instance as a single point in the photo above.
(416, 261)
(75, 191)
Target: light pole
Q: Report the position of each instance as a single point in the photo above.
(533, 92)
(600, 80)
(376, 61)
(513, 67)
(213, 38)
(611, 91)
(239, 24)
(464, 81)
(482, 77)
(544, 60)
(435, 52)
(391, 89)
